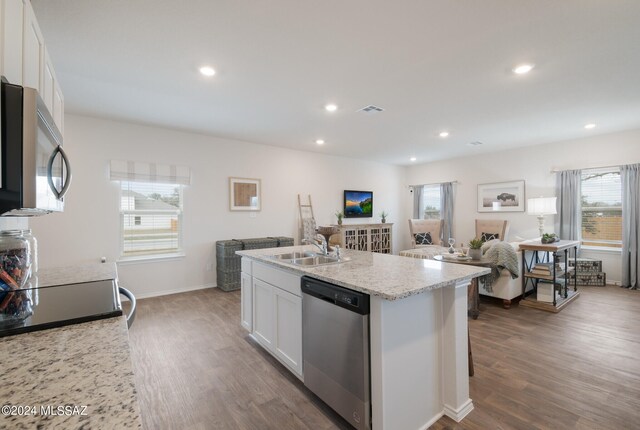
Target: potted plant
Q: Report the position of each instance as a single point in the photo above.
(384, 215)
(475, 249)
(339, 215)
(549, 238)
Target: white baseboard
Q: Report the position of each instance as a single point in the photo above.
(174, 291)
(458, 414)
(432, 421)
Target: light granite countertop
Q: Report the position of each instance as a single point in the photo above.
(75, 274)
(82, 365)
(390, 277)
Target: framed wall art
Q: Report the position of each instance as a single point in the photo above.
(501, 197)
(244, 194)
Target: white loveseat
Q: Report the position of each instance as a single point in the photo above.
(505, 287)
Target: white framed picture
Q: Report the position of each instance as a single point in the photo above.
(244, 194)
(501, 197)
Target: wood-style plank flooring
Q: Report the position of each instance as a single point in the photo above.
(196, 368)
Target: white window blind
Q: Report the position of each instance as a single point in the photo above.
(431, 199)
(151, 219)
(137, 171)
(602, 208)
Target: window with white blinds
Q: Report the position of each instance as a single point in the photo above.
(602, 208)
(431, 201)
(151, 219)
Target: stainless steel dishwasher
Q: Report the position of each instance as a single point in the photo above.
(335, 348)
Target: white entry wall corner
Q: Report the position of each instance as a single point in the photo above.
(90, 226)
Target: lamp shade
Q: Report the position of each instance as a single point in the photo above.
(541, 206)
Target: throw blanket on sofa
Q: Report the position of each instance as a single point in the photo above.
(503, 256)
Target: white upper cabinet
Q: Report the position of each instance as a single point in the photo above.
(46, 92)
(11, 24)
(58, 106)
(32, 51)
(24, 57)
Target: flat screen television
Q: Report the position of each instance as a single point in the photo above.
(358, 204)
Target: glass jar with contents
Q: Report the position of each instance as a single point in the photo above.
(15, 269)
(33, 250)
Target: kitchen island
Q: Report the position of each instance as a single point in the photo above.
(72, 377)
(417, 327)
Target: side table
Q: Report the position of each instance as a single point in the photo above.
(559, 251)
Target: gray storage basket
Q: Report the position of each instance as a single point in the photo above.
(228, 281)
(259, 243)
(228, 263)
(283, 241)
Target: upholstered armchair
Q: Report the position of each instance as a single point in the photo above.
(425, 230)
(492, 229)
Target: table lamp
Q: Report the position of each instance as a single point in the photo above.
(541, 206)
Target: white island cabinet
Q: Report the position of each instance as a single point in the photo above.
(272, 311)
(417, 327)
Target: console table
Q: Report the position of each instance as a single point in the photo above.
(559, 252)
(365, 237)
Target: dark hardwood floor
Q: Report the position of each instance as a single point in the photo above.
(196, 367)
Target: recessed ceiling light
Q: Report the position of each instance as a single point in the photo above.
(590, 126)
(523, 69)
(413, 159)
(320, 142)
(444, 134)
(331, 107)
(207, 71)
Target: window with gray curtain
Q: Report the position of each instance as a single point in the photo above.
(431, 202)
(446, 210)
(418, 201)
(568, 191)
(601, 206)
(630, 178)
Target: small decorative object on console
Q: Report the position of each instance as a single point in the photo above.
(550, 238)
(452, 241)
(475, 249)
(339, 215)
(383, 216)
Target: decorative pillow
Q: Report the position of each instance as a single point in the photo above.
(486, 237)
(423, 239)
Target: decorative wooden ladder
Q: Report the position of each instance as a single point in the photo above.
(307, 220)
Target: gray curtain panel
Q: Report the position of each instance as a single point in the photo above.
(446, 210)
(418, 202)
(568, 220)
(630, 177)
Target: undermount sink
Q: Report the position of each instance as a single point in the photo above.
(315, 261)
(295, 255)
(307, 258)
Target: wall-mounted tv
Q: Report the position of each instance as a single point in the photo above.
(358, 204)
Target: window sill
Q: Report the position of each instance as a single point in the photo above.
(605, 249)
(150, 258)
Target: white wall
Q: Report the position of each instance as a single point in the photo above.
(89, 227)
(534, 165)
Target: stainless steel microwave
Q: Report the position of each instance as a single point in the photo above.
(34, 170)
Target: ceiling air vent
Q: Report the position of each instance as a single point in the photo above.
(371, 109)
(475, 143)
